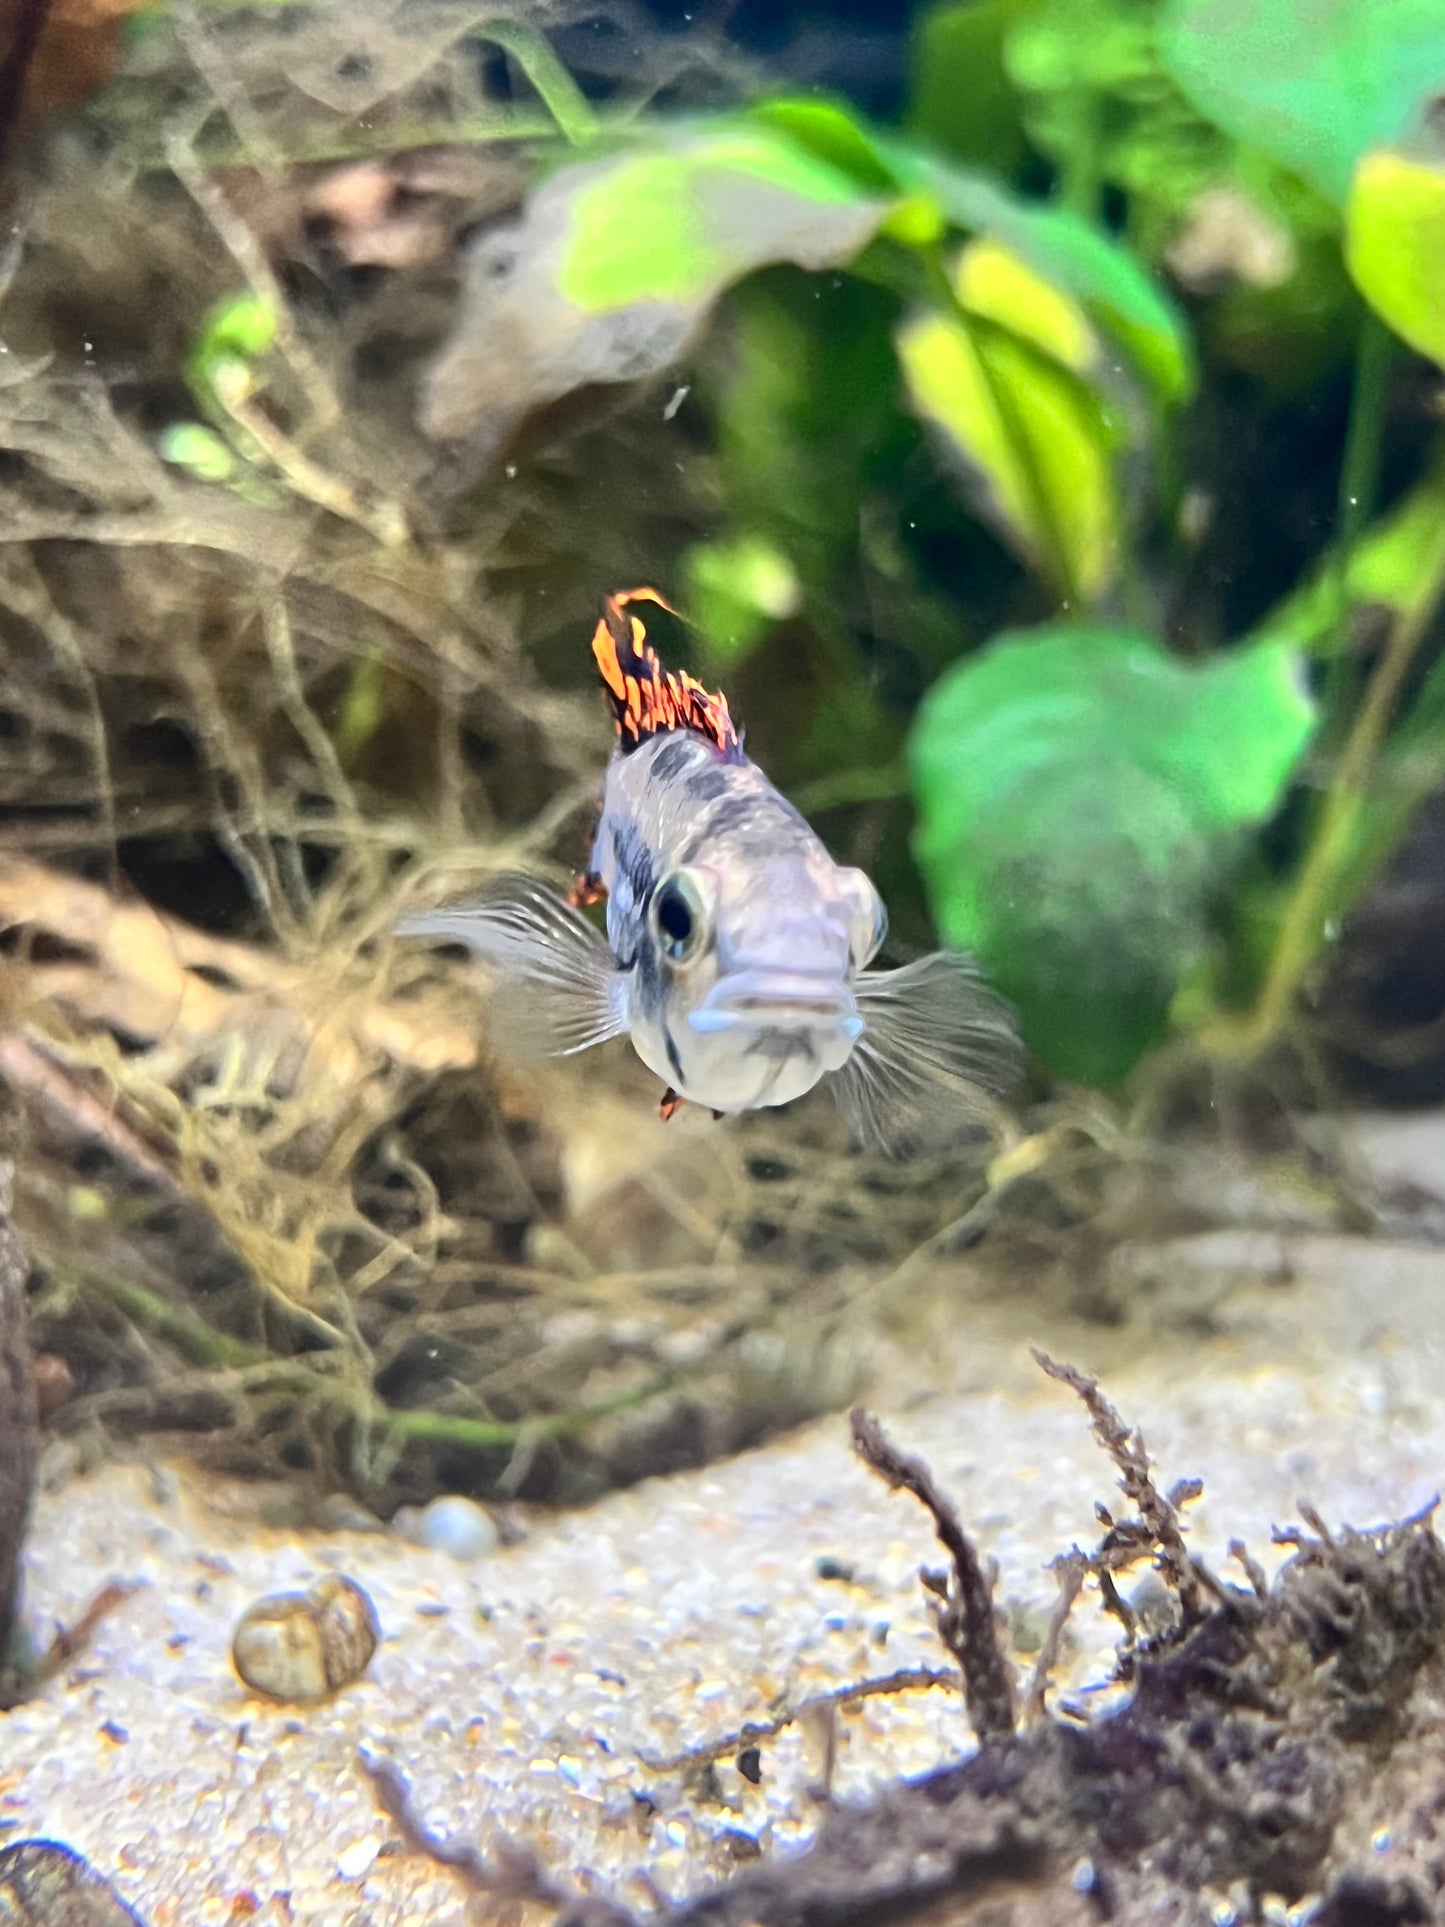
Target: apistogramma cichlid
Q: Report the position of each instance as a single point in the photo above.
(737, 950)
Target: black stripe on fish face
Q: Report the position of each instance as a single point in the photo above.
(634, 861)
(674, 1056)
(729, 813)
(672, 759)
(707, 786)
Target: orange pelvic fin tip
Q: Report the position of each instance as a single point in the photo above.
(670, 1106)
(648, 699)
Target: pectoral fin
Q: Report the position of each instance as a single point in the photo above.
(936, 1052)
(559, 985)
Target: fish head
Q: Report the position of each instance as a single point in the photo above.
(746, 998)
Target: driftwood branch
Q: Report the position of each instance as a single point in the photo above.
(963, 1607)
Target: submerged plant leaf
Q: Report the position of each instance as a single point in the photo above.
(1115, 290)
(1012, 408)
(617, 260)
(961, 100)
(680, 224)
(1080, 795)
(738, 587)
(236, 335)
(1395, 246)
(1315, 83)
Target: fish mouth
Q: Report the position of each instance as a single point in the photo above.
(786, 1000)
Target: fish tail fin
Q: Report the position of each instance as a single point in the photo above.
(648, 699)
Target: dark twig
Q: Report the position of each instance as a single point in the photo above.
(964, 1609)
(1253, 1571)
(1158, 1513)
(514, 1875)
(1070, 1569)
(907, 1679)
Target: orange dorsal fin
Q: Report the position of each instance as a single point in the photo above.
(647, 699)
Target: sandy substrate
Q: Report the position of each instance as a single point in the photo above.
(534, 1694)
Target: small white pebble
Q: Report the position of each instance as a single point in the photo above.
(358, 1858)
(458, 1526)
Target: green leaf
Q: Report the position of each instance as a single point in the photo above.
(804, 390)
(1395, 246)
(961, 101)
(827, 130)
(678, 225)
(617, 259)
(199, 449)
(735, 590)
(1080, 796)
(236, 334)
(1080, 260)
(1395, 564)
(1315, 83)
(1031, 432)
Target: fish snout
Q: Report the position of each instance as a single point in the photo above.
(774, 999)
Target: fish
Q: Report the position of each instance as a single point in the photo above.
(739, 957)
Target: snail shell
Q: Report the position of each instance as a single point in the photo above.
(306, 1645)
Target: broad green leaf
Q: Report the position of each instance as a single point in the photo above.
(1081, 795)
(1031, 433)
(995, 284)
(1074, 256)
(1395, 246)
(961, 101)
(680, 224)
(1078, 259)
(616, 261)
(832, 133)
(1315, 83)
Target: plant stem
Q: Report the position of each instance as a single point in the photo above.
(183, 1328)
(456, 1429)
(1313, 899)
(560, 94)
(1359, 485)
(879, 785)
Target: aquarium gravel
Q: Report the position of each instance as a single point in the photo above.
(545, 1694)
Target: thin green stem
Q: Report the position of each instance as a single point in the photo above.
(450, 1428)
(1314, 898)
(562, 97)
(1359, 485)
(190, 1334)
(881, 784)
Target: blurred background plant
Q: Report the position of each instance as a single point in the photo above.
(1034, 408)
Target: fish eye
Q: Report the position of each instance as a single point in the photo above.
(678, 917)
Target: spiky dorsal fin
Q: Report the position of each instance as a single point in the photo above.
(647, 699)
